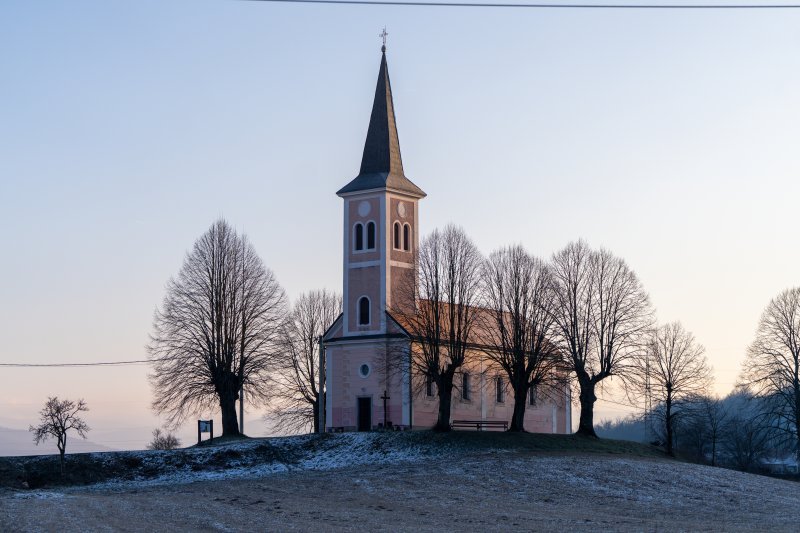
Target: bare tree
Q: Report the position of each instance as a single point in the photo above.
(163, 440)
(673, 370)
(216, 331)
(714, 414)
(438, 310)
(771, 369)
(56, 419)
(602, 314)
(296, 397)
(748, 436)
(518, 326)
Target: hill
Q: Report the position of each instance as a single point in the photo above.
(403, 482)
(222, 459)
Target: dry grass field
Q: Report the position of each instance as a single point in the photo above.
(343, 484)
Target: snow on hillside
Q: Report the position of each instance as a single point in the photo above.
(240, 459)
(418, 482)
(290, 454)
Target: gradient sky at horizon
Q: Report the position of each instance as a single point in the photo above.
(670, 138)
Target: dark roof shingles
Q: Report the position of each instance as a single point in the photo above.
(382, 164)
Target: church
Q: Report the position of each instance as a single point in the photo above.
(363, 391)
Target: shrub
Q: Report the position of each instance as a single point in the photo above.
(163, 441)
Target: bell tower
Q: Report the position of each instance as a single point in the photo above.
(380, 233)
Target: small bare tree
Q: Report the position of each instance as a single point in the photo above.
(713, 413)
(56, 419)
(748, 436)
(673, 370)
(296, 398)
(216, 331)
(438, 310)
(163, 440)
(602, 314)
(771, 369)
(518, 326)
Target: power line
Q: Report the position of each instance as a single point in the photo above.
(535, 6)
(619, 403)
(62, 365)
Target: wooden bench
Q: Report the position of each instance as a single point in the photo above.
(480, 424)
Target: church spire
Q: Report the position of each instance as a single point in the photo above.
(381, 163)
(382, 148)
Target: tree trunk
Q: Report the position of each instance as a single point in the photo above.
(518, 417)
(714, 450)
(62, 449)
(587, 399)
(668, 407)
(445, 400)
(227, 404)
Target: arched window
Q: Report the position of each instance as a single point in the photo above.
(359, 236)
(370, 235)
(407, 238)
(465, 387)
(363, 311)
(396, 240)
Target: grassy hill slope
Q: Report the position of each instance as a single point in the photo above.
(254, 457)
(406, 482)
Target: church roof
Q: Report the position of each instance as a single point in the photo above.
(381, 164)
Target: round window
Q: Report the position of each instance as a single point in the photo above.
(364, 370)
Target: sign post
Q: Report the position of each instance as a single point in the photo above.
(205, 426)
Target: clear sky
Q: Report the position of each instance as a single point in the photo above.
(126, 128)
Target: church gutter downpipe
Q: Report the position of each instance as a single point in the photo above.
(321, 399)
(410, 388)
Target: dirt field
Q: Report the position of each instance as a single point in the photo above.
(507, 490)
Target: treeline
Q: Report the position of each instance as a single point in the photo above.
(736, 431)
(225, 328)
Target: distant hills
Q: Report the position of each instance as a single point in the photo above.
(20, 442)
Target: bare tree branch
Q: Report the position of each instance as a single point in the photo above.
(56, 419)
(216, 331)
(439, 310)
(602, 315)
(771, 369)
(296, 395)
(673, 370)
(517, 324)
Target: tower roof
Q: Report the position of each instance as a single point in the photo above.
(381, 164)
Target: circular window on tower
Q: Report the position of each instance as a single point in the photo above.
(363, 370)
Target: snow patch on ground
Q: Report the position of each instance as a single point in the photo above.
(39, 495)
(290, 454)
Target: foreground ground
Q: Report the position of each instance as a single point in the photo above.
(463, 487)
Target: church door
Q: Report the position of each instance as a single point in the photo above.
(364, 414)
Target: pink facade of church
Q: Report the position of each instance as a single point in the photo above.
(369, 382)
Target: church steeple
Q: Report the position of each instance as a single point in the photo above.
(382, 148)
(381, 163)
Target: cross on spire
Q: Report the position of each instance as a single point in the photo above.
(383, 36)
